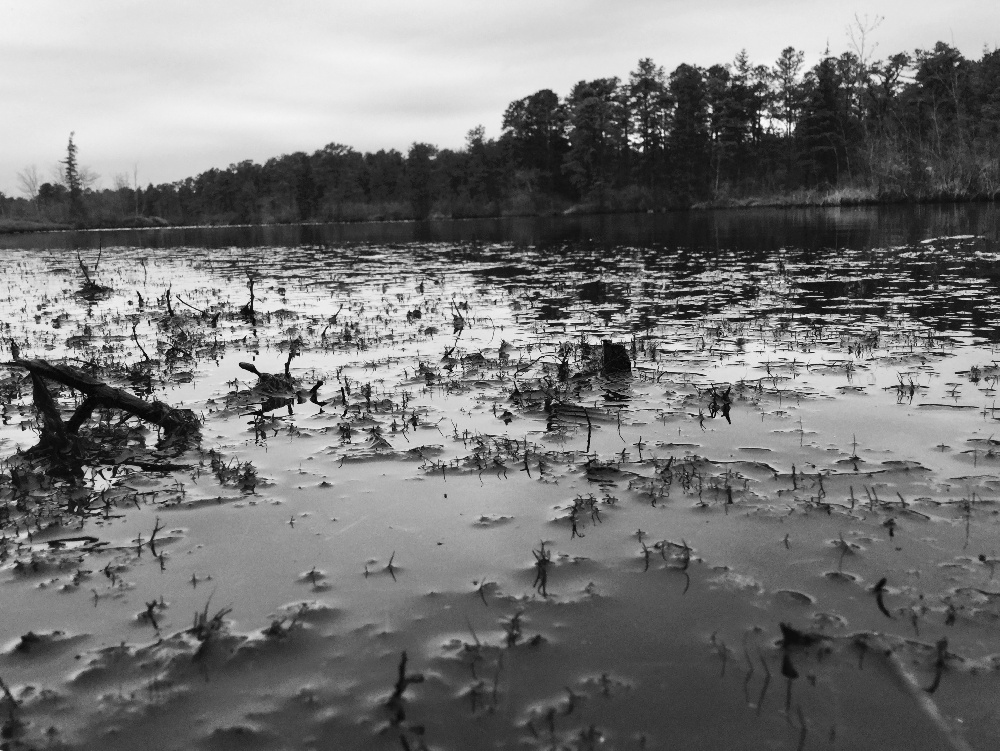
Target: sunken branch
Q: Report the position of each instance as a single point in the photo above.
(175, 422)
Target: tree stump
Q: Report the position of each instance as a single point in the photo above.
(615, 359)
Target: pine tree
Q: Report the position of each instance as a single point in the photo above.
(74, 184)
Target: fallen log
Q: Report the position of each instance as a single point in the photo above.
(97, 394)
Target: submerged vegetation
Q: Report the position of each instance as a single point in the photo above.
(436, 494)
(853, 128)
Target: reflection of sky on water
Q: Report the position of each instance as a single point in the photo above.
(852, 261)
(783, 371)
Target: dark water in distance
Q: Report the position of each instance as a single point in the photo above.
(939, 264)
(741, 230)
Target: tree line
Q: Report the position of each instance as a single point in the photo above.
(920, 126)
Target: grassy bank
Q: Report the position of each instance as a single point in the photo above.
(838, 197)
(12, 226)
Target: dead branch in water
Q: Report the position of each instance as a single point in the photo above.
(91, 289)
(175, 422)
(247, 311)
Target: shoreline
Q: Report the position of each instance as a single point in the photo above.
(847, 197)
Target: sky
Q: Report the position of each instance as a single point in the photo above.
(165, 90)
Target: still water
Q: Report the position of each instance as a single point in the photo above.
(569, 554)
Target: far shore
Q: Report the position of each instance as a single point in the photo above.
(793, 200)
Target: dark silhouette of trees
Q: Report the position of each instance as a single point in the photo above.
(597, 119)
(786, 100)
(920, 126)
(649, 105)
(738, 98)
(302, 182)
(535, 144)
(824, 130)
(689, 133)
(385, 171)
(420, 180)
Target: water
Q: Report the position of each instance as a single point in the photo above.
(567, 555)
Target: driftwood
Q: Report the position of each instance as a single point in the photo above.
(277, 390)
(91, 290)
(271, 382)
(175, 422)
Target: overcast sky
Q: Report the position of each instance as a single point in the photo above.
(177, 87)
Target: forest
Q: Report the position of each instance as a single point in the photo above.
(921, 126)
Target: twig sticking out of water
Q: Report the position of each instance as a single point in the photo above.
(879, 590)
(205, 629)
(542, 560)
(788, 670)
(890, 524)
(750, 669)
(845, 549)
(395, 702)
(948, 730)
(91, 290)
(279, 630)
(203, 313)
(767, 681)
(13, 724)
(513, 629)
(293, 352)
(939, 665)
(804, 729)
(247, 311)
(83, 268)
(152, 537)
(151, 614)
(481, 591)
(967, 510)
(135, 336)
(392, 569)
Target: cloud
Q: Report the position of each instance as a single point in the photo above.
(178, 86)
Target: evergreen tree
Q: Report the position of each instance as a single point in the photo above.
(534, 131)
(649, 108)
(689, 132)
(826, 131)
(71, 176)
(597, 136)
(787, 99)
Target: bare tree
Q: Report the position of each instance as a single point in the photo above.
(86, 176)
(28, 183)
(859, 74)
(859, 32)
